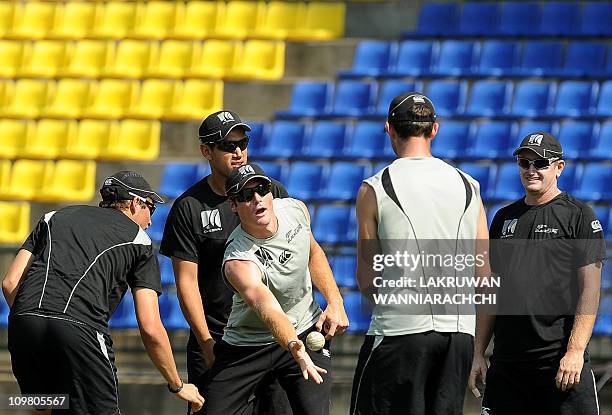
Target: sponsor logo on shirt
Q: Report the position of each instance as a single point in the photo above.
(284, 257)
(264, 256)
(546, 229)
(535, 140)
(293, 233)
(596, 225)
(326, 353)
(509, 228)
(211, 221)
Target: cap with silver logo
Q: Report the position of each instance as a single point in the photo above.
(542, 143)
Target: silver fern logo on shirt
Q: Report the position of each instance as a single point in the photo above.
(211, 221)
(509, 228)
(264, 256)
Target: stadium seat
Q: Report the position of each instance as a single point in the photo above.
(489, 98)
(259, 59)
(606, 274)
(508, 184)
(518, 19)
(559, 18)
(34, 19)
(602, 150)
(7, 14)
(452, 140)
(436, 19)
(367, 140)
(326, 140)
(203, 170)
(478, 19)
(533, 99)
(456, 58)
(305, 180)
(70, 99)
(449, 96)
(321, 21)
(577, 138)
(372, 58)
(484, 174)
(124, 316)
(576, 99)
(492, 210)
(176, 178)
(197, 97)
(156, 230)
(358, 311)
(29, 98)
(116, 21)
(76, 21)
(199, 20)
(171, 313)
(279, 20)
(91, 139)
(14, 222)
(540, 58)
(27, 179)
(414, 58)
(216, 59)
(498, 58)
(345, 271)
(155, 100)
(528, 127)
(156, 19)
(603, 324)
(584, 59)
(492, 140)
(285, 140)
(308, 99)
(604, 105)
(112, 98)
(165, 270)
(176, 58)
(134, 140)
(569, 177)
(13, 136)
(46, 59)
(595, 183)
(390, 89)
(353, 99)
(240, 19)
(343, 181)
(274, 170)
(133, 59)
(49, 139)
(596, 18)
(72, 181)
(90, 58)
(12, 54)
(331, 224)
(257, 139)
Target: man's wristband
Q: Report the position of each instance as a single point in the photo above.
(290, 344)
(177, 390)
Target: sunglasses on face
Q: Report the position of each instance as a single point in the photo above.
(230, 146)
(145, 202)
(246, 195)
(539, 164)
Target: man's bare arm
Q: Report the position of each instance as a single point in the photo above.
(15, 274)
(368, 244)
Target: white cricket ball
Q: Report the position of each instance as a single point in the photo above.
(315, 341)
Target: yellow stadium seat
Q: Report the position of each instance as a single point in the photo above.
(28, 178)
(91, 139)
(134, 58)
(49, 139)
(46, 59)
(13, 136)
(261, 59)
(28, 98)
(116, 20)
(134, 140)
(240, 19)
(216, 59)
(76, 21)
(90, 58)
(12, 56)
(112, 98)
(34, 19)
(155, 100)
(281, 19)
(197, 98)
(70, 99)
(199, 19)
(14, 222)
(156, 19)
(7, 14)
(175, 58)
(5, 176)
(72, 181)
(322, 21)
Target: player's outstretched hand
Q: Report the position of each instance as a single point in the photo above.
(191, 394)
(333, 319)
(569, 371)
(308, 368)
(478, 375)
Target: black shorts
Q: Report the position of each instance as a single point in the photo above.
(53, 354)
(531, 390)
(416, 374)
(240, 372)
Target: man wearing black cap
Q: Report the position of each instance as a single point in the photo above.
(548, 249)
(65, 283)
(415, 359)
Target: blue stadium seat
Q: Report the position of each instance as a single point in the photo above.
(436, 19)
(448, 96)
(456, 58)
(171, 313)
(595, 183)
(608, 229)
(607, 70)
(596, 18)
(489, 98)
(305, 179)
(483, 173)
(379, 166)
(559, 18)
(540, 58)
(576, 98)
(367, 140)
(569, 177)
(583, 59)
(345, 271)
(4, 312)
(606, 273)
(602, 150)
(272, 169)
(576, 138)
(528, 127)
(156, 230)
(343, 181)
(508, 184)
(326, 139)
(309, 99)
(177, 177)
(358, 311)
(285, 139)
(478, 19)
(166, 271)
(257, 137)
(352, 227)
(452, 139)
(492, 140)
(124, 316)
(372, 58)
(331, 224)
(203, 170)
(518, 19)
(414, 58)
(353, 99)
(604, 106)
(603, 324)
(492, 210)
(389, 90)
(533, 99)
(498, 58)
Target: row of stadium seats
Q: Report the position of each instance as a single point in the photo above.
(515, 18)
(235, 19)
(466, 58)
(87, 139)
(110, 98)
(47, 181)
(14, 222)
(135, 59)
(454, 98)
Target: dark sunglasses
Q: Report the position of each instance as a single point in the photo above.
(246, 195)
(539, 164)
(230, 146)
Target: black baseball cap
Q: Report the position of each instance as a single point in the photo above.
(401, 106)
(542, 143)
(240, 176)
(125, 185)
(217, 126)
